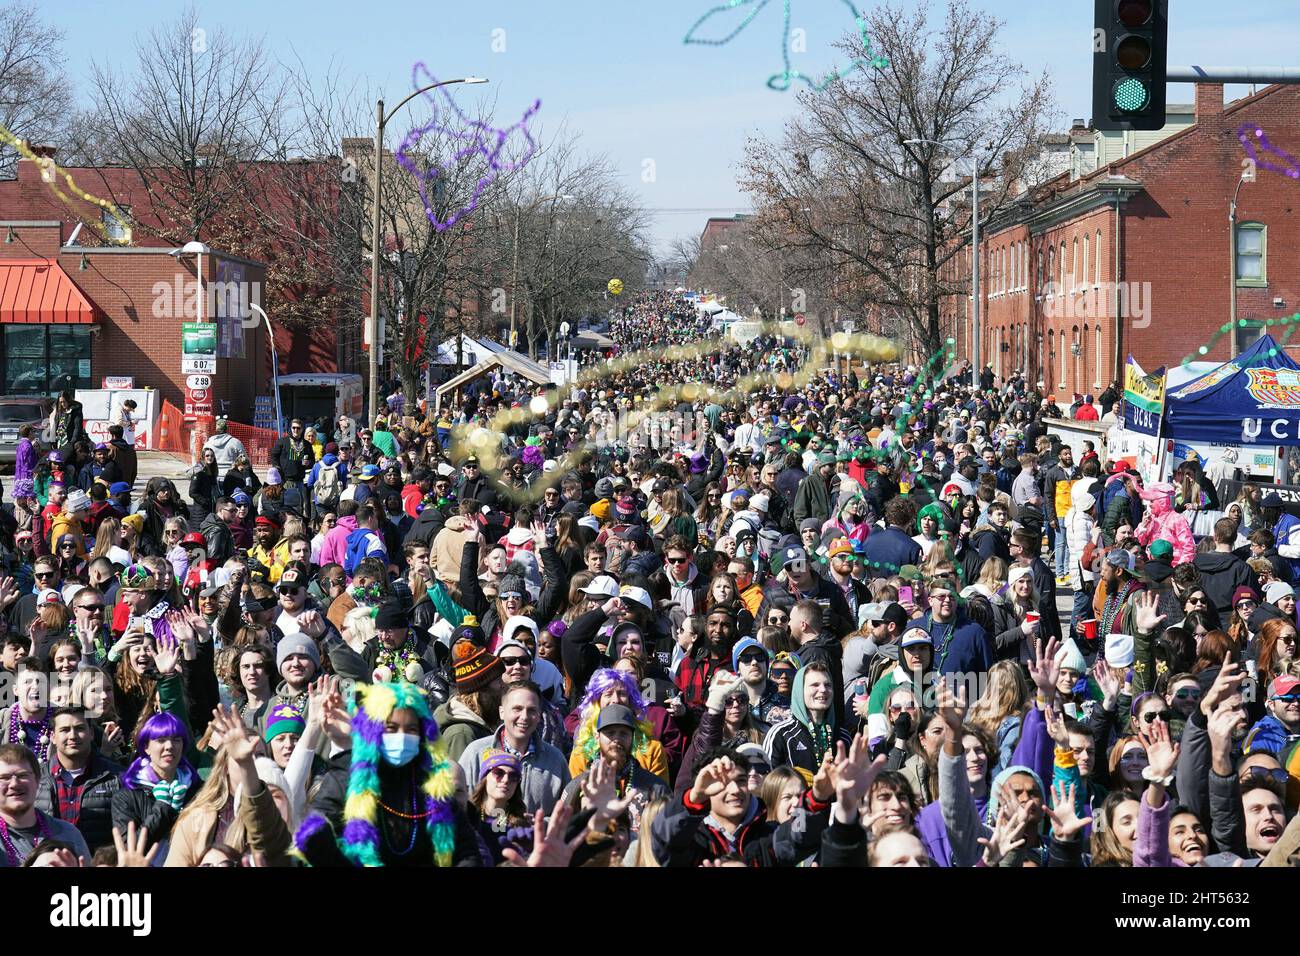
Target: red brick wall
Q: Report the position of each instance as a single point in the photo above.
(134, 341)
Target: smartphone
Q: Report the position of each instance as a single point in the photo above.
(905, 594)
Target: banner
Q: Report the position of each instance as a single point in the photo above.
(1144, 398)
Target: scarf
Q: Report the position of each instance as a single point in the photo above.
(173, 792)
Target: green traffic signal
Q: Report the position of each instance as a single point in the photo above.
(1131, 95)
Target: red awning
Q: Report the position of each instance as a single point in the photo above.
(39, 291)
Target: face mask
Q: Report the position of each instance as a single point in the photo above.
(400, 749)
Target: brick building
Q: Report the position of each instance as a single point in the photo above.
(72, 314)
(1130, 250)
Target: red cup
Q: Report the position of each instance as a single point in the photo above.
(1032, 617)
(1089, 629)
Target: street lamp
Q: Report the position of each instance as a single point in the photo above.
(975, 247)
(372, 321)
(514, 269)
(275, 365)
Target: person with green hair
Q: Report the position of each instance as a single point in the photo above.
(390, 801)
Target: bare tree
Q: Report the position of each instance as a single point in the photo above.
(34, 94)
(879, 221)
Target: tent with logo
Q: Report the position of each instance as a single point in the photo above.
(1252, 399)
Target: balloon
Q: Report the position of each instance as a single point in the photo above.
(615, 286)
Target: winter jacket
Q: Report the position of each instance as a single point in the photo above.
(1268, 736)
(960, 646)
(1166, 524)
(545, 771)
(1078, 532)
(334, 549)
(139, 807)
(686, 834)
(812, 499)
(221, 544)
(887, 551)
(102, 781)
(1222, 572)
(791, 743)
(227, 448)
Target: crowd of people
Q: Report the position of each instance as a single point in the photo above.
(818, 626)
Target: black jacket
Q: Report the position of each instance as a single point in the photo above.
(680, 836)
(140, 807)
(292, 467)
(1221, 574)
(96, 820)
(221, 543)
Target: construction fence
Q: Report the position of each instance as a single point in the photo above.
(185, 438)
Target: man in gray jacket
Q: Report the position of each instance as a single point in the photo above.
(545, 771)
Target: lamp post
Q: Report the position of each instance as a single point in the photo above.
(275, 366)
(514, 269)
(372, 321)
(975, 247)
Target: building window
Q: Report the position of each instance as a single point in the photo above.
(1096, 265)
(1039, 281)
(45, 359)
(1051, 268)
(1060, 289)
(1074, 263)
(1083, 275)
(117, 229)
(1251, 250)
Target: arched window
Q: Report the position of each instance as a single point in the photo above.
(1051, 268)
(1096, 265)
(1083, 273)
(1085, 380)
(1074, 263)
(1038, 282)
(1060, 290)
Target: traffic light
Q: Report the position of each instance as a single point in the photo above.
(1129, 63)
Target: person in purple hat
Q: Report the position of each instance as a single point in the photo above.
(101, 468)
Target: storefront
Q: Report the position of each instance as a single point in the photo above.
(46, 323)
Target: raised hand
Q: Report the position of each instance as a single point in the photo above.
(823, 784)
(312, 624)
(723, 682)
(198, 624)
(712, 779)
(1145, 618)
(336, 721)
(1008, 833)
(235, 737)
(1162, 753)
(854, 772)
(8, 591)
(167, 659)
(1226, 684)
(952, 707)
(600, 791)
(112, 739)
(133, 849)
(1065, 821)
(1108, 679)
(550, 849)
(1056, 726)
(1044, 669)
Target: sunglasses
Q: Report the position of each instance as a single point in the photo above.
(736, 700)
(516, 661)
(1240, 604)
(782, 672)
(1290, 698)
(896, 708)
(91, 608)
(1151, 716)
(678, 560)
(1271, 774)
(290, 589)
(502, 773)
(1188, 693)
(43, 574)
(754, 658)
(759, 770)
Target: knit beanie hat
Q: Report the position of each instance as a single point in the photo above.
(296, 644)
(491, 759)
(390, 615)
(469, 630)
(284, 718)
(512, 584)
(1069, 657)
(474, 667)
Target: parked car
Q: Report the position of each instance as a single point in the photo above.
(17, 411)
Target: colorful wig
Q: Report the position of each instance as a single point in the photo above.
(370, 709)
(158, 726)
(584, 741)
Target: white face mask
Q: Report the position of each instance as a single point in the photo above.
(399, 749)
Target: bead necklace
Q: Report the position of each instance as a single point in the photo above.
(405, 655)
(43, 738)
(11, 851)
(415, 827)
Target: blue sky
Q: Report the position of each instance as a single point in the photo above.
(619, 73)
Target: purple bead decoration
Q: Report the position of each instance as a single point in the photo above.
(1258, 148)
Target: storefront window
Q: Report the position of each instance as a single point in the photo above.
(45, 359)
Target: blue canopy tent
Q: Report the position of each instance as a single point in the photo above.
(1254, 399)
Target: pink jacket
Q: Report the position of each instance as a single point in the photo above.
(1163, 522)
(335, 546)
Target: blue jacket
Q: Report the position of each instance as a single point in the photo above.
(887, 551)
(1269, 736)
(966, 649)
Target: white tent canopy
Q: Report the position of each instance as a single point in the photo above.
(709, 307)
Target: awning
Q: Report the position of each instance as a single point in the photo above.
(38, 291)
(510, 361)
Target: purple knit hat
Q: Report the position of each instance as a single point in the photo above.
(492, 759)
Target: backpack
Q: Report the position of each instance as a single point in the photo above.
(326, 492)
(358, 550)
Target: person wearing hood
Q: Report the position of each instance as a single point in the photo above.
(813, 727)
(1161, 521)
(225, 446)
(1286, 530)
(1078, 528)
(1120, 504)
(1222, 572)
